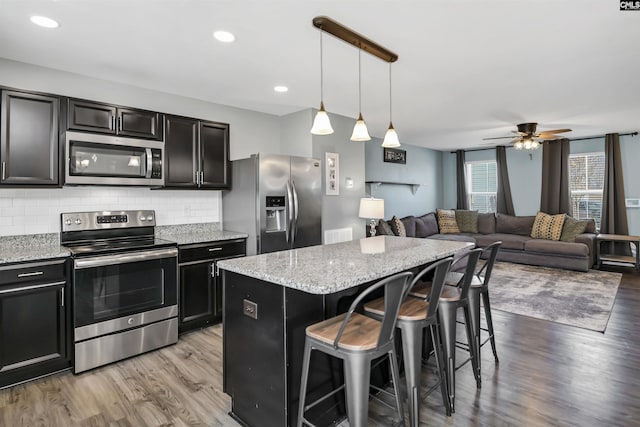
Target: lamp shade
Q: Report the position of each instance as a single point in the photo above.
(391, 138)
(321, 124)
(360, 132)
(371, 208)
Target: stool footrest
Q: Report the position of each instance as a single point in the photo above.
(323, 398)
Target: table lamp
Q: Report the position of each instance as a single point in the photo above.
(371, 209)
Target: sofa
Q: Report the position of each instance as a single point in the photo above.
(576, 252)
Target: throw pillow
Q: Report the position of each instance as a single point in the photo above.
(547, 226)
(447, 221)
(572, 228)
(467, 221)
(384, 229)
(486, 223)
(409, 223)
(426, 225)
(398, 227)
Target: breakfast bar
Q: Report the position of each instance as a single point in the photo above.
(270, 299)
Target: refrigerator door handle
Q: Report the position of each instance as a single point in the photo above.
(289, 212)
(294, 229)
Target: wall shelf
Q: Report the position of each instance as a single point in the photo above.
(376, 184)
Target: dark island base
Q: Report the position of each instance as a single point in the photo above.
(263, 356)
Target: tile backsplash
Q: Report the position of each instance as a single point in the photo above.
(33, 211)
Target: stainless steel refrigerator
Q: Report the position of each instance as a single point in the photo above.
(277, 200)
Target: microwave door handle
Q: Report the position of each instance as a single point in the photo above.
(147, 173)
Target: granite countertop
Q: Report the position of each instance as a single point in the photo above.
(331, 268)
(185, 234)
(31, 248)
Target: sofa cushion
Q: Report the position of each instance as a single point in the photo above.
(591, 226)
(547, 226)
(447, 221)
(509, 241)
(486, 223)
(556, 248)
(426, 225)
(467, 221)
(509, 224)
(398, 227)
(458, 237)
(384, 228)
(572, 228)
(409, 223)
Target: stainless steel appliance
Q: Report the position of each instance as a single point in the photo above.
(125, 286)
(277, 200)
(112, 160)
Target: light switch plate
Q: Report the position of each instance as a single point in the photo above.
(250, 308)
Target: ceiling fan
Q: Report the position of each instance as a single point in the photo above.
(527, 138)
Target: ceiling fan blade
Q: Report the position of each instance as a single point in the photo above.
(548, 132)
(542, 137)
(498, 137)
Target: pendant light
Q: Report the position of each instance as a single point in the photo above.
(391, 137)
(360, 132)
(321, 124)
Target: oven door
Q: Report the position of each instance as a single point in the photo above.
(116, 292)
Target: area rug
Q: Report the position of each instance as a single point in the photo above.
(563, 296)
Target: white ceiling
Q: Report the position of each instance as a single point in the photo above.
(467, 70)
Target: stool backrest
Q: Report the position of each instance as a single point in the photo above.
(487, 268)
(471, 257)
(395, 290)
(440, 269)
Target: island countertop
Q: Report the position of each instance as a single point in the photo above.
(326, 269)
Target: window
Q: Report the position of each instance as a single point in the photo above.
(482, 185)
(586, 181)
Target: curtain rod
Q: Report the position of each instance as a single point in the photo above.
(570, 139)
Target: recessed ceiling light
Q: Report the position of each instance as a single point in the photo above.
(281, 89)
(224, 36)
(45, 22)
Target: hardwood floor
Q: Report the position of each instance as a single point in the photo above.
(549, 375)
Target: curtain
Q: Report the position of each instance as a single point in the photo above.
(463, 201)
(614, 212)
(504, 202)
(554, 198)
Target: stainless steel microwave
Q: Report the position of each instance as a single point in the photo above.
(110, 160)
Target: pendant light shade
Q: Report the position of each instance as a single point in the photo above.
(391, 137)
(321, 124)
(360, 132)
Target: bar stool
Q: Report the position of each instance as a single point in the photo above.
(451, 299)
(357, 340)
(480, 289)
(415, 315)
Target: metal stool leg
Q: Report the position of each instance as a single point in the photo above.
(357, 370)
(303, 384)
(447, 313)
(474, 311)
(437, 349)
(412, 352)
(472, 344)
(395, 376)
(487, 315)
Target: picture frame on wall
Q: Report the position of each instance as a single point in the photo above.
(332, 174)
(394, 155)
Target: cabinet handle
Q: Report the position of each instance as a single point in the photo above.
(4, 167)
(201, 177)
(30, 288)
(35, 273)
(214, 249)
(196, 177)
(62, 297)
(119, 124)
(112, 123)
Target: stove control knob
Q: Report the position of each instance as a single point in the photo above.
(142, 218)
(78, 221)
(150, 218)
(67, 221)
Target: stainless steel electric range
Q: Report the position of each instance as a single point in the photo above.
(125, 285)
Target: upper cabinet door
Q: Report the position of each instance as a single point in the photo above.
(214, 155)
(139, 123)
(91, 116)
(181, 143)
(29, 139)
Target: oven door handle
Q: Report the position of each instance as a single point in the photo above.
(106, 260)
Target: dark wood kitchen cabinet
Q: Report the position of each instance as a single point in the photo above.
(196, 154)
(89, 116)
(29, 139)
(200, 300)
(34, 320)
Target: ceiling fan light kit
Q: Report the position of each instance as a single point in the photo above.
(360, 132)
(528, 139)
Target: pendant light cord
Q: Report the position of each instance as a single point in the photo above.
(390, 118)
(321, 73)
(359, 82)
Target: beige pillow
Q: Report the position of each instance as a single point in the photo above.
(447, 221)
(547, 226)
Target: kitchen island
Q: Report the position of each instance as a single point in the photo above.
(270, 299)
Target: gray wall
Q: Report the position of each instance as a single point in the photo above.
(250, 131)
(525, 175)
(424, 166)
(295, 138)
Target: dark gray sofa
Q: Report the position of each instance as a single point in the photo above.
(517, 245)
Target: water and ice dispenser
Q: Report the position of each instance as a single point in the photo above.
(275, 214)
